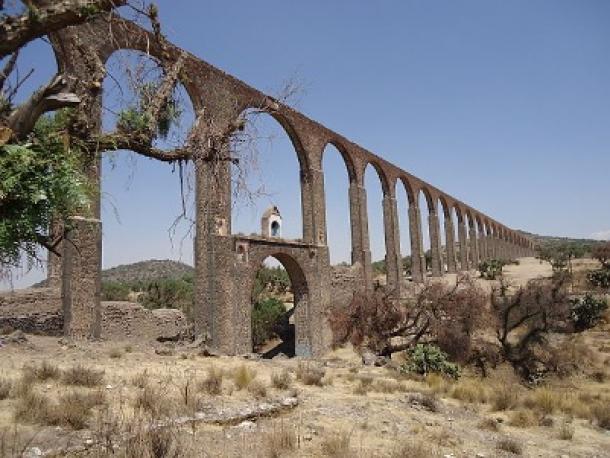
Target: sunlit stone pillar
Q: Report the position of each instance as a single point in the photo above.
(418, 260)
(435, 244)
(392, 243)
(450, 242)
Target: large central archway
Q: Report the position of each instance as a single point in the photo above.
(293, 336)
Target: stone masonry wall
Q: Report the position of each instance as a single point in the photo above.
(34, 310)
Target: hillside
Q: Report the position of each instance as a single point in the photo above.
(548, 241)
(147, 270)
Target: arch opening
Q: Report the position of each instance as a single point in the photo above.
(279, 304)
(269, 174)
(374, 184)
(337, 179)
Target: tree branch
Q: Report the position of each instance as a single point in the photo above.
(15, 32)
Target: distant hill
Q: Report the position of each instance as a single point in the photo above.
(547, 241)
(147, 270)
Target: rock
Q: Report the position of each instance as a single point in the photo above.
(546, 421)
(165, 351)
(251, 356)
(32, 452)
(247, 425)
(480, 455)
(16, 337)
(207, 352)
(371, 359)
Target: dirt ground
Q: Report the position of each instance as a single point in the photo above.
(350, 410)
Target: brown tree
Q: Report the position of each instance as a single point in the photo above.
(601, 252)
(446, 315)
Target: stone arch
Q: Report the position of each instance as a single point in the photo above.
(301, 291)
(410, 189)
(347, 159)
(275, 167)
(342, 221)
(378, 219)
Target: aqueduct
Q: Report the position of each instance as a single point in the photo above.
(225, 263)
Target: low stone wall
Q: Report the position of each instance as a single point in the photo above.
(126, 320)
(39, 311)
(33, 310)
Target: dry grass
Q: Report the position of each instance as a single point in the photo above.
(71, 410)
(337, 445)
(600, 413)
(115, 353)
(280, 441)
(489, 424)
(212, 384)
(437, 383)
(386, 386)
(472, 391)
(82, 376)
(243, 376)
(523, 418)
(161, 442)
(5, 388)
(281, 380)
(510, 445)
(413, 449)
(257, 389)
(41, 373)
(544, 400)
(309, 374)
(566, 431)
(140, 380)
(504, 398)
(152, 401)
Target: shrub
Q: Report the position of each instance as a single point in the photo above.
(5, 388)
(281, 380)
(566, 431)
(601, 414)
(424, 359)
(510, 445)
(601, 252)
(587, 311)
(280, 441)
(212, 384)
(82, 376)
(523, 419)
(42, 372)
(504, 398)
(599, 278)
(161, 442)
(115, 353)
(337, 445)
(243, 376)
(140, 380)
(491, 269)
(153, 402)
(413, 449)
(545, 401)
(309, 374)
(266, 315)
(469, 391)
(257, 389)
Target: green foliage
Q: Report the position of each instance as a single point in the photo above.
(115, 291)
(587, 311)
(136, 118)
(424, 359)
(560, 255)
(266, 315)
(40, 179)
(602, 253)
(491, 269)
(599, 278)
(275, 279)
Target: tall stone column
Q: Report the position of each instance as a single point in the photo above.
(361, 253)
(450, 244)
(392, 243)
(318, 207)
(473, 248)
(482, 244)
(435, 244)
(463, 239)
(418, 260)
(81, 281)
(214, 307)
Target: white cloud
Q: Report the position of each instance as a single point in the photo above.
(601, 235)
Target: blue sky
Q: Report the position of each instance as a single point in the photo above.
(505, 105)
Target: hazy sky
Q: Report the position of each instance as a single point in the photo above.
(505, 105)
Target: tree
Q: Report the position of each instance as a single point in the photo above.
(525, 318)
(445, 315)
(210, 141)
(601, 252)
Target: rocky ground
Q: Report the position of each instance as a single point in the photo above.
(93, 398)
